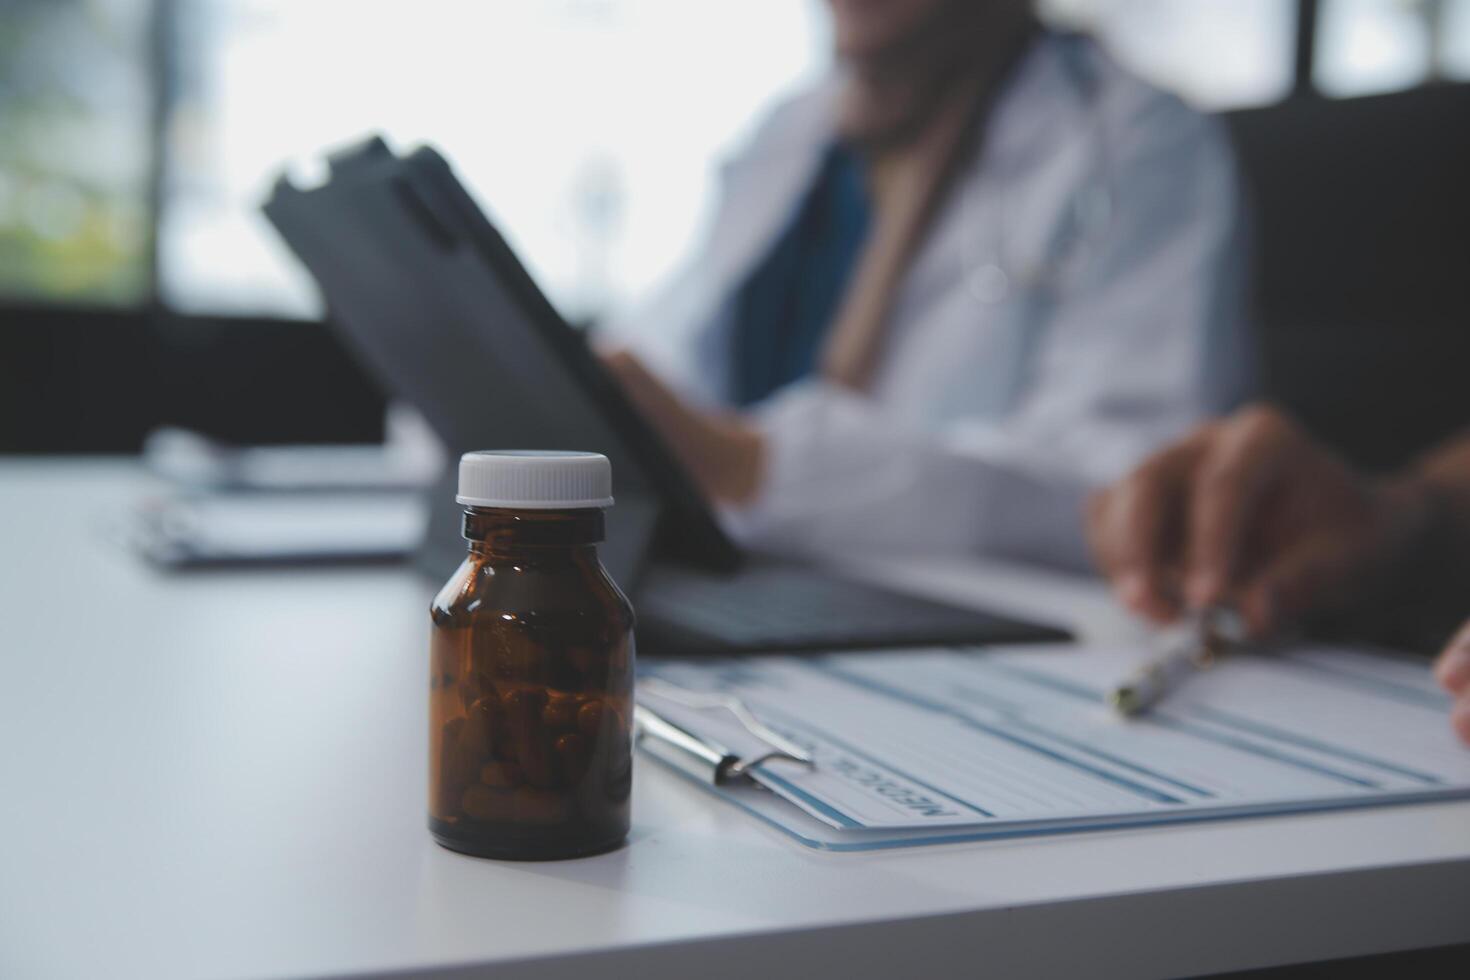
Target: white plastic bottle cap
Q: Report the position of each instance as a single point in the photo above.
(534, 479)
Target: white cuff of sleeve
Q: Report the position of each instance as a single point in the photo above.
(842, 478)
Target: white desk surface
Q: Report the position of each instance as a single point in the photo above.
(221, 774)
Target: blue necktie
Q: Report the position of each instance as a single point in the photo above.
(784, 309)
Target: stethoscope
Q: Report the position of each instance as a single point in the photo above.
(995, 274)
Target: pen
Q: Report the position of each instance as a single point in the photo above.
(1210, 631)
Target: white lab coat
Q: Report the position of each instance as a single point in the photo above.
(993, 410)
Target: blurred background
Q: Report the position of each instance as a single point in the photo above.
(140, 287)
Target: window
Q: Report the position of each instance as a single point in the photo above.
(1367, 46)
(140, 136)
(1370, 46)
(1218, 54)
(1453, 41)
(74, 150)
(590, 129)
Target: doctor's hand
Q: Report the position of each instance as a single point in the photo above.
(1453, 671)
(724, 453)
(1250, 511)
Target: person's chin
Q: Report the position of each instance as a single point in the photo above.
(855, 46)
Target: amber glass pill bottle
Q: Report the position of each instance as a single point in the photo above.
(531, 666)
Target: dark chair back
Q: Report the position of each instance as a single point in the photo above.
(1362, 280)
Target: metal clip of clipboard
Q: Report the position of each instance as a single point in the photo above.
(697, 755)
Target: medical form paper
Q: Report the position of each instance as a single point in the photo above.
(933, 746)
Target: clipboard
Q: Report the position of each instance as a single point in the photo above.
(861, 752)
(703, 758)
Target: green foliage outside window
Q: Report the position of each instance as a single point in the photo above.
(74, 151)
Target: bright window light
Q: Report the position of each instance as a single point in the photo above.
(1217, 54)
(1368, 46)
(591, 130)
(1454, 46)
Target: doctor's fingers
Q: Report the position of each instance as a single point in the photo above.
(1319, 573)
(1460, 717)
(624, 365)
(655, 400)
(1134, 528)
(1242, 458)
(1452, 669)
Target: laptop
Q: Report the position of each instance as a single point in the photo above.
(428, 294)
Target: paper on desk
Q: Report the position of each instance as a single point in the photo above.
(1019, 739)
